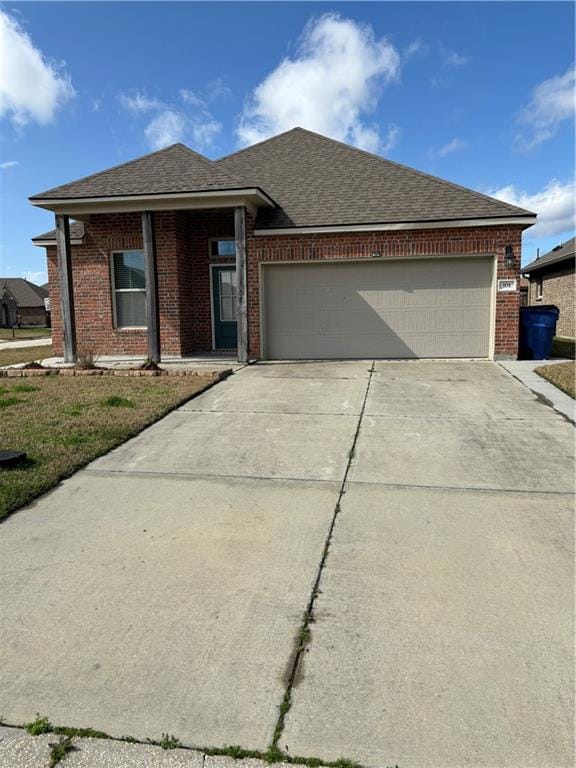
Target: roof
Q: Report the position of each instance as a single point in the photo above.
(564, 252)
(76, 233)
(25, 294)
(174, 169)
(321, 182)
(312, 181)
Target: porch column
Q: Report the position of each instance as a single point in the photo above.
(66, 286)
(241, 283)
(152, 314)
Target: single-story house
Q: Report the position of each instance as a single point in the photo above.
(22, 303)
(552, 279)
(299, 247)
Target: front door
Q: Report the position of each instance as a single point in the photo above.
(224, 302)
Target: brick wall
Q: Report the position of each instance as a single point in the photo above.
(559, 288)
(184, 274)
(439, 242)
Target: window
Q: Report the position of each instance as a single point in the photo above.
(539, 289)
(227, 278)
(129, 289)
(222, 248)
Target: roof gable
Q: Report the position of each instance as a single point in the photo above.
(174, 169)
(25, 294)
(317, 181)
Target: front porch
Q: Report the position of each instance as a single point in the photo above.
(165, 285)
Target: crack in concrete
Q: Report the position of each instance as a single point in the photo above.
(294, 674)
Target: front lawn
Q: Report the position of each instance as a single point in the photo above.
(17, 334)
(562, 375)
(63, 422)
(24, 355)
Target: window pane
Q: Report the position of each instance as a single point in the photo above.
(129, 270)
(227, 282)
(223, 248)
(227, 308)
(130, 308)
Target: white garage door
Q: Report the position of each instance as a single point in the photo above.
(387, 309)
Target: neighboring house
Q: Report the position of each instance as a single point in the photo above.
(524, 290)
(21, 303)
(299, 247)
(552, 282)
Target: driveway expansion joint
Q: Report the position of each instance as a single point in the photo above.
(304, 634)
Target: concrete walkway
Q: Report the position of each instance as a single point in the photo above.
(414, 518)
(45, 341)
(523, 370)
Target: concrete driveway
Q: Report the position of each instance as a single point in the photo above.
(423, 510)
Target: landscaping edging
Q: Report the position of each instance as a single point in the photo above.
(25, 372)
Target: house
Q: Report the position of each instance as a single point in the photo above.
(552, 282)
(22, 303)
(299, 247)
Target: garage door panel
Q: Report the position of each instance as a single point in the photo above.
(396, 309)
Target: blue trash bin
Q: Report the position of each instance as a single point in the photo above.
(537, 330)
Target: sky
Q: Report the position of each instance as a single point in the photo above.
(481, 94)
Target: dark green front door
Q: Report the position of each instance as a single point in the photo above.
(224, 302)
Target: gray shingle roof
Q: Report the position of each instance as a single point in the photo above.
(173, 169)
(25, 294)
(320, 182)
(564, 252)
(76, 232)
(315, 181)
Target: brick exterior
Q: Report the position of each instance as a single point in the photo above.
(182, 246)
(559, 288)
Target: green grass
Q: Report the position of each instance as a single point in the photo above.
(63, 422)
(40, 725)
(562, 375)
(24, 355)
(24, 333)
(562, 346)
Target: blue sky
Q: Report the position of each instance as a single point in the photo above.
(478, 93)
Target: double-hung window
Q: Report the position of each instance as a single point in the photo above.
(129, 289)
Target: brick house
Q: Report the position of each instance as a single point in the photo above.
(22, 303)
(299, 247)
(551, 279)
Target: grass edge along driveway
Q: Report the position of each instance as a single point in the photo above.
(562, 375)
(18, 355)
(63, 423)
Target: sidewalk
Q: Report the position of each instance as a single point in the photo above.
(22, 343)
(523, 370)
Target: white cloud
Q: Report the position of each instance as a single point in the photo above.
(452, 146)
(189, 97)
(38, 278)
(166, 128)
(9, 164)
(554, 205)
(217, 89)
(326, 87)
(204, 131)
(96, 105)
(453, 59)
(414, 49)
(32, 88)
(552, 102)
(139, 103)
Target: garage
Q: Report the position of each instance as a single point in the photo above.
(406, 308)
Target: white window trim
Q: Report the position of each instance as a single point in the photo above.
(539, 288)
(123, 290)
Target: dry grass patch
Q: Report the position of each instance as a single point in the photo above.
(24, 355)
(63, 422)
(562, 375)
